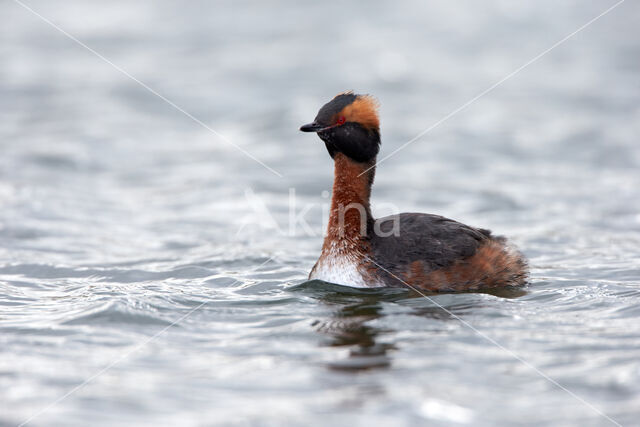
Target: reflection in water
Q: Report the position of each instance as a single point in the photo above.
(349, 324)
(355, 309)
(348, 327)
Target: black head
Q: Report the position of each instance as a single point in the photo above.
(349, 124)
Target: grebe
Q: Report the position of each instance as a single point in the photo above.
(423, 251)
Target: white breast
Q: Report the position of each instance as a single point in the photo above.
(342, 270)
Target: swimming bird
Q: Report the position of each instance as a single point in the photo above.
(422, 251)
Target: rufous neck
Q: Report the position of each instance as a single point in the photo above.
(350, 215)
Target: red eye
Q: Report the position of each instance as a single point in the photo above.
(341, 120)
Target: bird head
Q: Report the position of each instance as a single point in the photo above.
(348, 124)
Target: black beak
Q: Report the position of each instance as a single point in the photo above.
(312, 127)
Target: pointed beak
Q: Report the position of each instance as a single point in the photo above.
(312, 127)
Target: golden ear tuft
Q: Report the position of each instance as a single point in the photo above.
(363, 110)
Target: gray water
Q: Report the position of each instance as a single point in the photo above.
(149, 270)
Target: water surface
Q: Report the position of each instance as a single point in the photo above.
(135, 250)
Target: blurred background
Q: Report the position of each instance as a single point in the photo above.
(121, 213)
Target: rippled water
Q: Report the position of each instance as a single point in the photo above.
(142, 281)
